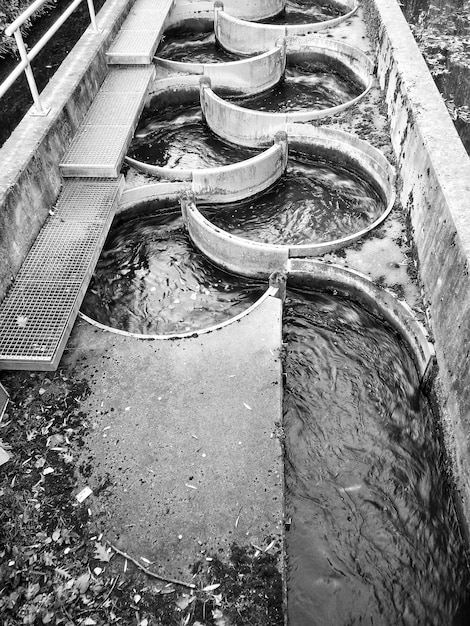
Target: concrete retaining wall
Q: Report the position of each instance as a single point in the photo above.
(243, 37)
(435, 170)
(248, 76)
(29, 177)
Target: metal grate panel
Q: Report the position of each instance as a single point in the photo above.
(134, 42)
(33, 320)
(63, 252)
(97, 151)
(128, 80)
(86, 201)
(37, 314)
(123, 106)
(143, 20)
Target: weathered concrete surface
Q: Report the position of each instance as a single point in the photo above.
(184, 439)
(435, 171)
(29, 176)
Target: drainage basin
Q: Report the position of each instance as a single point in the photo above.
(150, 280)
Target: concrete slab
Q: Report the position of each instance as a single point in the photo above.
(183, 455)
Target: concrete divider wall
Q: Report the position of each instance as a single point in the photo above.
(234, 254)
(29, 178)
(248, 76)
(241, 126)
(228, 183)
(243, 37)
(246, 9)
(435, 170)
(244, 179)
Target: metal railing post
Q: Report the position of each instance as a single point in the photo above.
(29, 73)
(91, 8)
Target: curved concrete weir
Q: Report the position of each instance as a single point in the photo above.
(250, 257)
(166, 289)
(244, 9)
(244, 37)
(253, 128)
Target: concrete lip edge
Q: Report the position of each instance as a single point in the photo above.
(271, 292)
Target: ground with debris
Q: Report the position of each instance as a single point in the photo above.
(56, 569)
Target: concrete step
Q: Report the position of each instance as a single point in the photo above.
(140, 33)
(100, 145)
(37, 315)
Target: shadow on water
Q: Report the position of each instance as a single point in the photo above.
(151, 280)
(374, 535)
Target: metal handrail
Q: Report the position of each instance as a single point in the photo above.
(27, 57)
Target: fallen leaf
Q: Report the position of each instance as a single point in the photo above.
(83, 494)
(22, 321)
(102, 553)
(83, 582)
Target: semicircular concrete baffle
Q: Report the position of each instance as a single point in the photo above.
(336, 189)
(323, 77)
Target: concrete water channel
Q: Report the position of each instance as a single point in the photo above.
(187, 429)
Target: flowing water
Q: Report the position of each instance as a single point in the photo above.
(179, 138)
(150, 280)
(307, 12)
(190, 46)
(374, 537)
(313, 202)
(307, 85)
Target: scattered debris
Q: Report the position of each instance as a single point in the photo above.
(83, 494)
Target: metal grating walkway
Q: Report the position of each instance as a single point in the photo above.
(37, 315)
(141, 32)
(99, 147)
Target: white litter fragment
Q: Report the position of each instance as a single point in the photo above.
(97, 571)
(142, 558)
(47, 471)
(190, 486)
(128, 408)
(4, 456)
(247, 406)
(83, 494)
